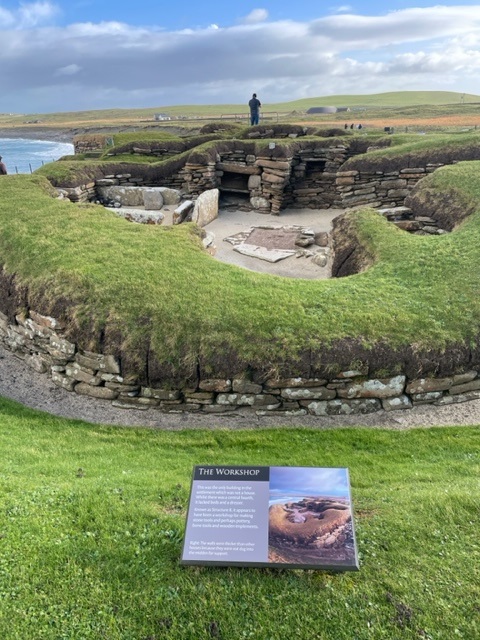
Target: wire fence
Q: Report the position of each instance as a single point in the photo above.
(30, 167)
(264, 115)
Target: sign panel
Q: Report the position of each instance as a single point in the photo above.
(291, 517)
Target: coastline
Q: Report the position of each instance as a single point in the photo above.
(39, 133)
(66, 134)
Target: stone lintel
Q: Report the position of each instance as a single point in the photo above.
(232, 167)
(281, 165)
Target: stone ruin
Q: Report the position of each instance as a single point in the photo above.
(312, 175)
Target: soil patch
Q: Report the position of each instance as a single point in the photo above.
(273, 238)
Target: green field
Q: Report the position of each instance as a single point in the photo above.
(377, 105)
(93, 519)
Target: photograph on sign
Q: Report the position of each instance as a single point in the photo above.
(293, 517)
(310, 517)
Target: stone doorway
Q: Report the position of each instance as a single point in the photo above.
(232, 182)
(234, 191)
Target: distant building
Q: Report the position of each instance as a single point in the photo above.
(313, 110)
(162, 116)
(327, 109)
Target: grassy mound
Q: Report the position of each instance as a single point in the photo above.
(93, 521)
(408, 150)
(153, 294)
(197, 149)
(126, 143)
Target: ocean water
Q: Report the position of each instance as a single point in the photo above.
(25, 156)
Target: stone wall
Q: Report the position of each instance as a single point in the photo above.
(272, 183)
(378, 189)
(160, 152)
(408, 220)
(90, 191)
(311, 176)
(39, 340)
(300, 173)
(275, 183)
(83, 193)
(91, 144)
(197, 178)
(267, 178)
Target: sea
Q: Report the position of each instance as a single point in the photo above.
(25, 156)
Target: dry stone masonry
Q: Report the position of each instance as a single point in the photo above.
(39, 340)
(267, 179)
(378, 189)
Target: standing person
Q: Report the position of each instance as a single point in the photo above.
(3, 168)
(254, 105)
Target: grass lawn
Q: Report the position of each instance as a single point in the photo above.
(92, 522)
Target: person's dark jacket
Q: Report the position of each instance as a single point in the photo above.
(254, 105)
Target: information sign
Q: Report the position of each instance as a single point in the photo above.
(292, 517)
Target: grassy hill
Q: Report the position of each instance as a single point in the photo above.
(399, 99)
(182, 291)
(391, 99)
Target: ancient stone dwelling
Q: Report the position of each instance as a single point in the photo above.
(267, 176)
(264, 175)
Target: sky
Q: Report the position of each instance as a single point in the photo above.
(71, 55)
(308, 481)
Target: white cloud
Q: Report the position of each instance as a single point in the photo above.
(30, 15)
(256, 16)
(344, 8)
(109, 64)
(451, 60)
(410, 25)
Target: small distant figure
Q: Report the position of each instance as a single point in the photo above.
(254, 105)
(3, 168)
(346, 126)
(352, 125)
(359, 126)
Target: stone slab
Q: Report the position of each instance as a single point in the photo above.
(270, 255)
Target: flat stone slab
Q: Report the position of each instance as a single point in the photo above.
(239, 238)
(138, 215)
(270, 255)
(271, 242)
(271, 236)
